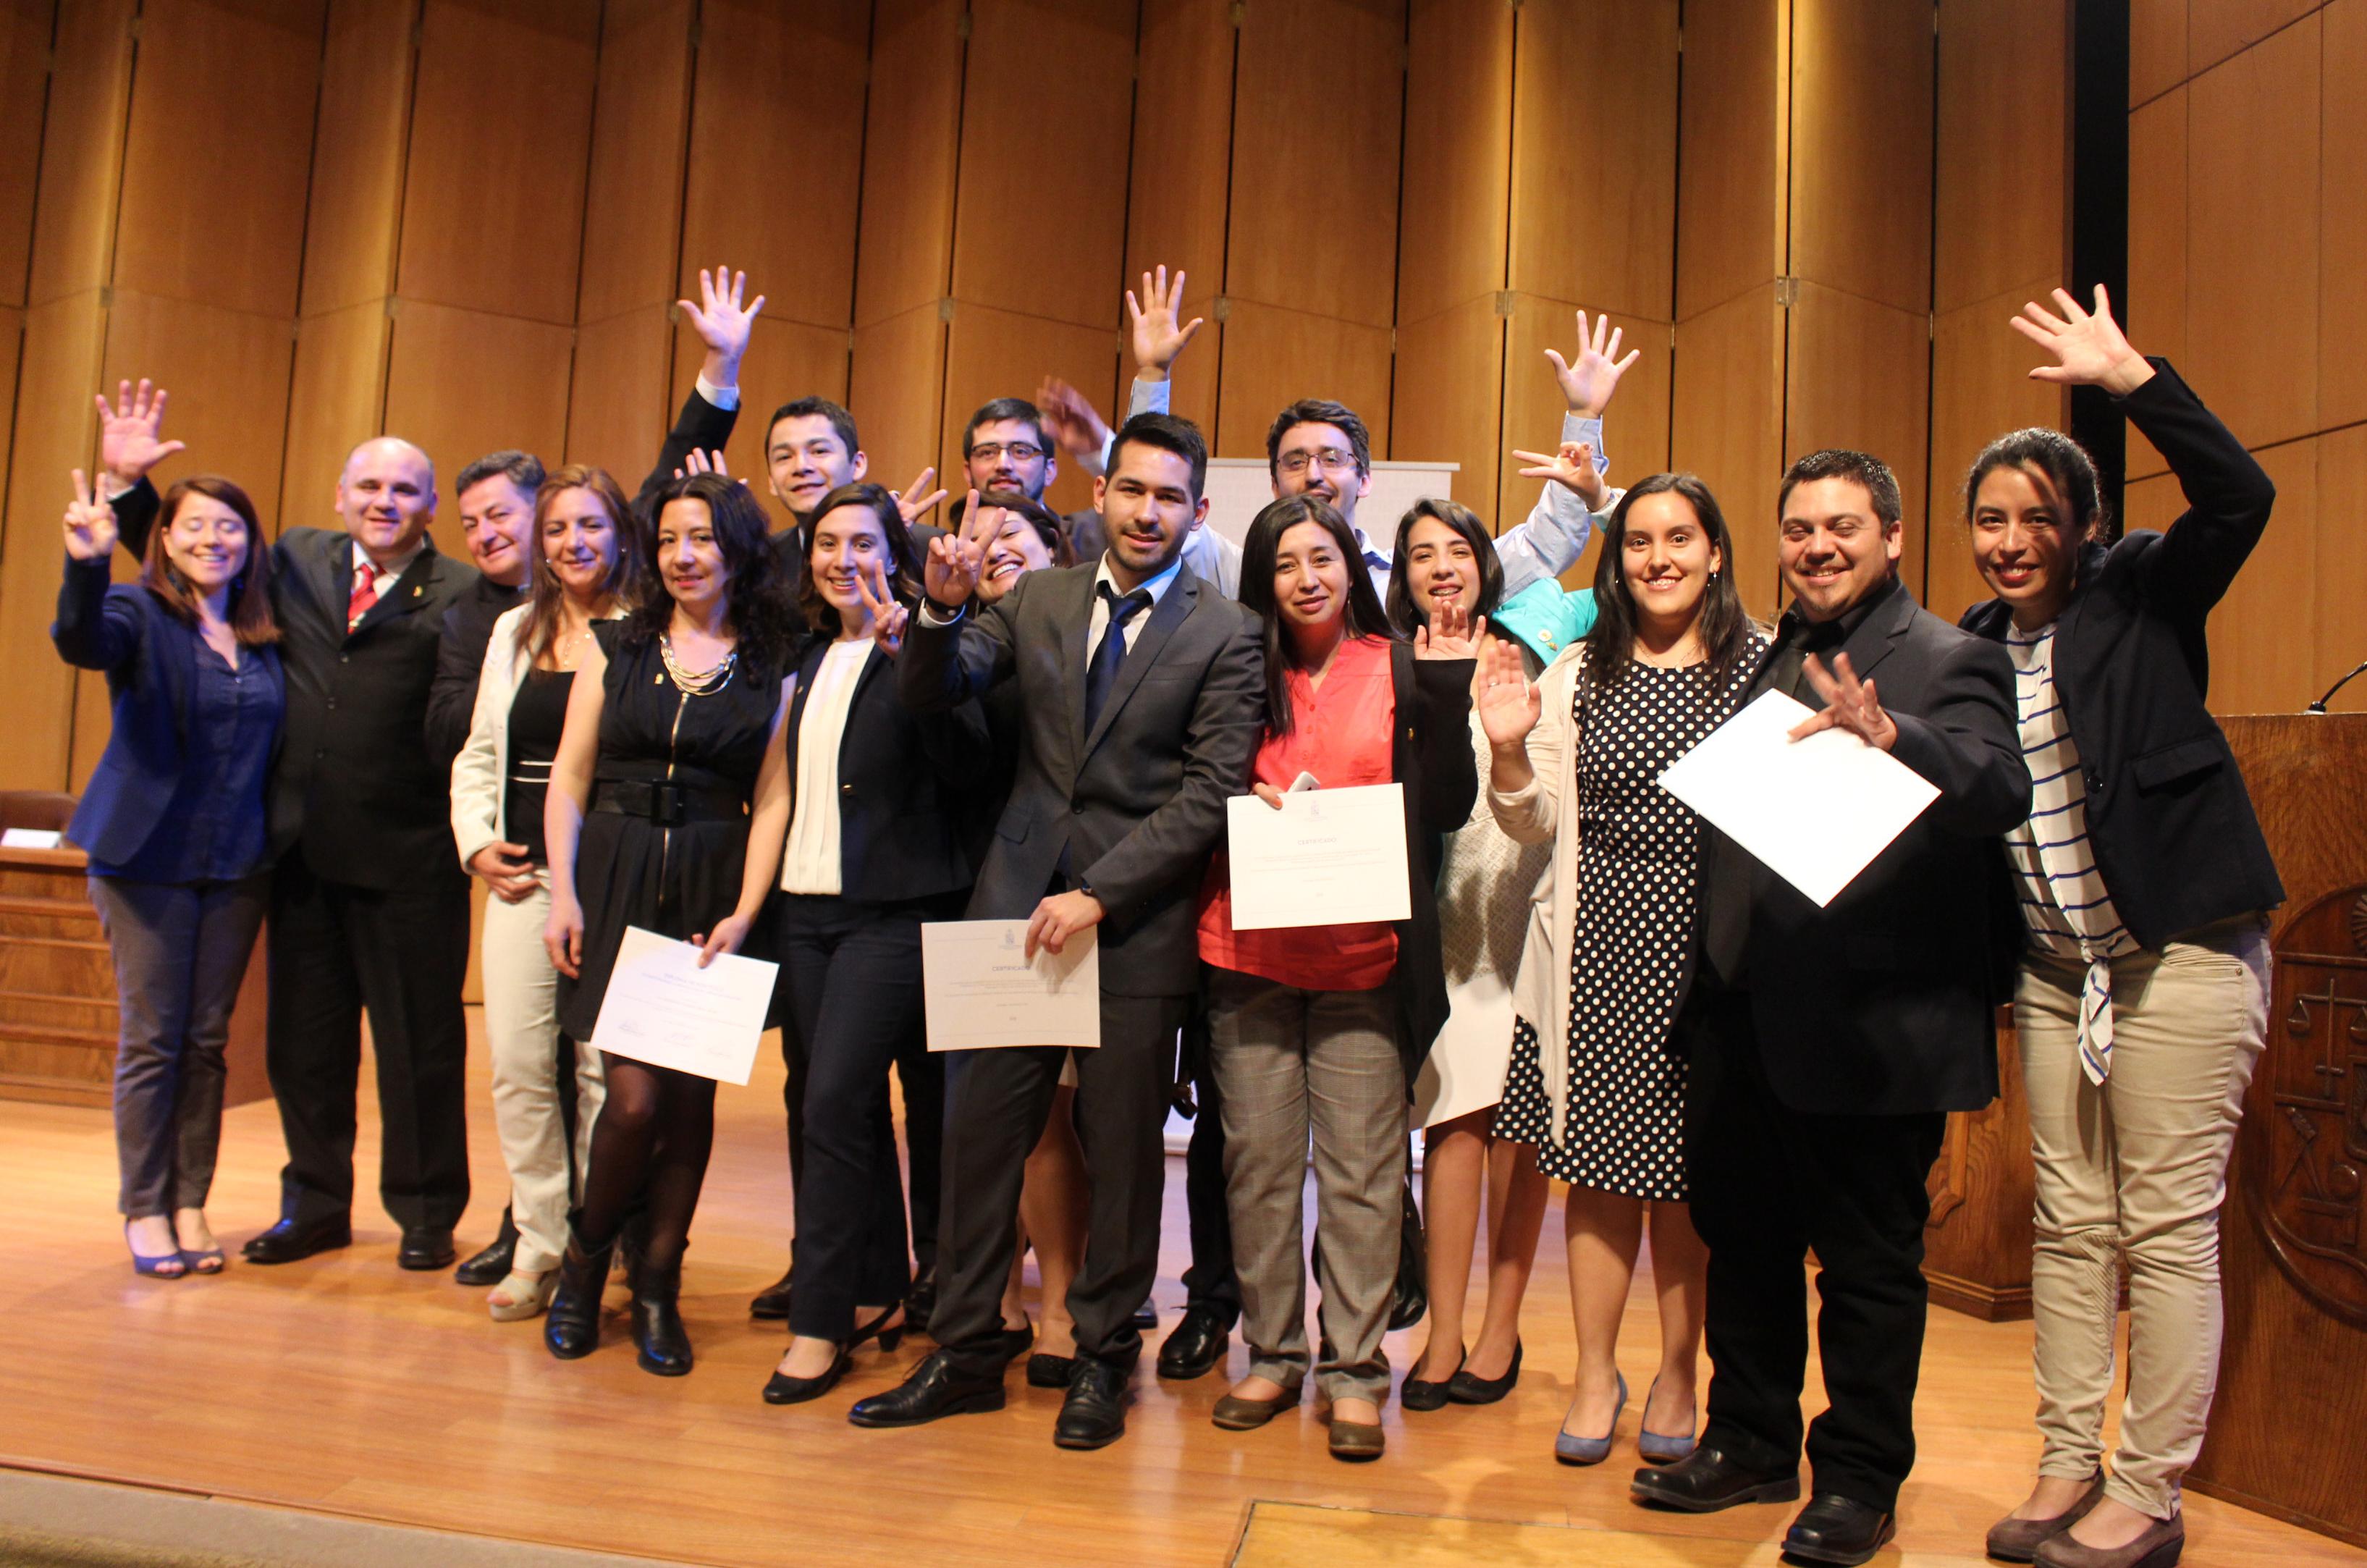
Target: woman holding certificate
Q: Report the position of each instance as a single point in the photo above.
(1321, 1029)
(669, 804)
(1576, 760)
(876, 847)
(2142, 1004)
(591, 557)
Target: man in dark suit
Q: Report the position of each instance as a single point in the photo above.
(1829, 1044)
(1142, 693)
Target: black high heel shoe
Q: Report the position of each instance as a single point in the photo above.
(1418, 1394)
(1466, 1389)
(571, 1326)
(664, 1344)
(782, 1389)
(888, 1338)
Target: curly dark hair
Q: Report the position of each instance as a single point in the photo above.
(755, 582)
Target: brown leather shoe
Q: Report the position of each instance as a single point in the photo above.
(2018, 1541)
(1236, 1413)
(2158, 1548)
(1356, 1441)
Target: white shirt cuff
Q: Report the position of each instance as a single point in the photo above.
(721, 397)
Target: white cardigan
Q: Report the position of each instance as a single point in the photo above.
(1547, 811)
(480, 773)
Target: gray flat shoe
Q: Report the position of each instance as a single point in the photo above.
(2018, 1541)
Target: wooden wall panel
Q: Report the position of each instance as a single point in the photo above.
(896, 387)
(2157, 47)
(493, 204)
(228, 372)
(1178, 186)
(1731, 231)
(1726, 425)
(1454, 204)
(2253, 153)
(991, 354)
(787, 360)
(1636, 428)
(793, 234)
(336, 401)
(462, 383)
(1861, 162)
(214, 210)
(2342, 270)
(356, 201)
(2154, 310)
(1040, 226)
(910, 148)
(1274, 358)
(2217, 30)
(1857, 376)
(1449, 399)
(1315, 161)
(81, 151)
(1594, 216)
(615, 413)
(633, 199)
(2339, 576)
(2000, 199)
(2264, 643)
(25, 30)
(1980, 389)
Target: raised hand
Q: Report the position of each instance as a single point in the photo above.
(1452, 633)
(2087, 346)
(950, 574)
(1849, 704)
(888, 618)
(131, 434)
(1072, 420)
(916, 500)
(1156, 337)
(90, 524)
(1571, 466)
(721, 323)
(1509, 703)
(697, 461)
(1587, 381)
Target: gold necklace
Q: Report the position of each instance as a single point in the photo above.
(696, 683)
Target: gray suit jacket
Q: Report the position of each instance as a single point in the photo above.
(1137, 806)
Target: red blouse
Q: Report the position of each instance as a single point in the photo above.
(1341, 733)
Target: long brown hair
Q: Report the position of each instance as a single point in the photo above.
(249, 600)
(1725, 625)
(903, 560)
(1259, 548)
(547, 596)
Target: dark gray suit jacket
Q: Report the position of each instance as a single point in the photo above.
(1137, 806)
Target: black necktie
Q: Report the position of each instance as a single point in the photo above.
(1101, 674)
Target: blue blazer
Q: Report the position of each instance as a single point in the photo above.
(150, 660)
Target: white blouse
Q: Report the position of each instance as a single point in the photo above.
(811, 863)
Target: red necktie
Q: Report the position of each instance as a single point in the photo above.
(364, 596)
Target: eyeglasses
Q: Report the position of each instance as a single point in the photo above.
(1335, 461)
(1018, 451)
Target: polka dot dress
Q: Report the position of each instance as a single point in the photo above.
(1637, 888)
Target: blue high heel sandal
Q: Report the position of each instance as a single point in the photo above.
(1591, 1451)
(1660, 1447)
(172, 1265)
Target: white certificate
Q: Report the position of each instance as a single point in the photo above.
(980, 989)
(664, 1010)
(1328, 858)
(1816, 811)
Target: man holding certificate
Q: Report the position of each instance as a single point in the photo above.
(1831, 1041)
(1142, 693)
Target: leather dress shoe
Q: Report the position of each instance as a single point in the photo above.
(782, 1389)
(1195, 1345)
(1709, 1478)
(2018, 1541)
(936, 1388)
(426, 1248)
(287, 1241)
(1050, 1371)
(492, 1266)
(1145, 1318)
(1834, 1529)
(1016, 1341)
(773, 1300)
(920, 1301)
(1419, 1394)
(1094, 1415)
(2159, 1547)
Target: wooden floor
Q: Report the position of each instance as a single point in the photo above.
(344, 1385)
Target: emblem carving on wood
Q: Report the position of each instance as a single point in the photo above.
(2304, 1135)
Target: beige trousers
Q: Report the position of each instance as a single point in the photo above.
(2136, 1169)
(521, 1037)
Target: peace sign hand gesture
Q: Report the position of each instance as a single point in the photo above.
(950, 574)
(1587, 381)
(1849, 704)
(90, 524)
(131, 434)
(916, 500)
(1452, 633)
(888, 618)
(1158, 339)
(2088, 347)
(1571, 466)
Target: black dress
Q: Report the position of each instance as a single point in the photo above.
(631, 870)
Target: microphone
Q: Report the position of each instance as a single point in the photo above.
(2319, 706)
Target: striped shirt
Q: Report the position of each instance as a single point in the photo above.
(2063, 900)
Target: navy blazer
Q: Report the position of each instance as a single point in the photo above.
(2172, 825)
(150, 660)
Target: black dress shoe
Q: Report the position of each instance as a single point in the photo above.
(1834, 1529)
(287, 1241)
(1196, 1344)
(1709, 1478)
(773, 1300)
(571, 1327)
(782, 1389)
(426, 1248)
(492, 1266)
(936, 1388)
(1015, 1342)
(658, 1333)
(1468, 1388)
(1416, 1393)
(1094, 1415)
(921, 1301)
(1050, 1371)
(1145, 1318)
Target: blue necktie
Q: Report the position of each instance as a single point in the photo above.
(1100, 674)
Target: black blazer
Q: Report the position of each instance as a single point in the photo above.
(2173, 828)
(1135, 807)
(1884, 1002)
(150, 660)
(903, 780)
(354, 787)
(1430, 755)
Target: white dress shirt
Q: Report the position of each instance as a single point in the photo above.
(811, 863)
(383, 577)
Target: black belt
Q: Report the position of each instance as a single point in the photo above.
(668, 802)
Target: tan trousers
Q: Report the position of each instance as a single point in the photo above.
(521, 1037)
(2136, 1169)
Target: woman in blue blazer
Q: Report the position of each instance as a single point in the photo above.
(174, 825)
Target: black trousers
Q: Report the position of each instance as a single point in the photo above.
(921, 1076)
(1209, 1284)
(338, 951)
(999, 1102)
(1769, 1184)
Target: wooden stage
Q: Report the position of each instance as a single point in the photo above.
(344, 1386)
